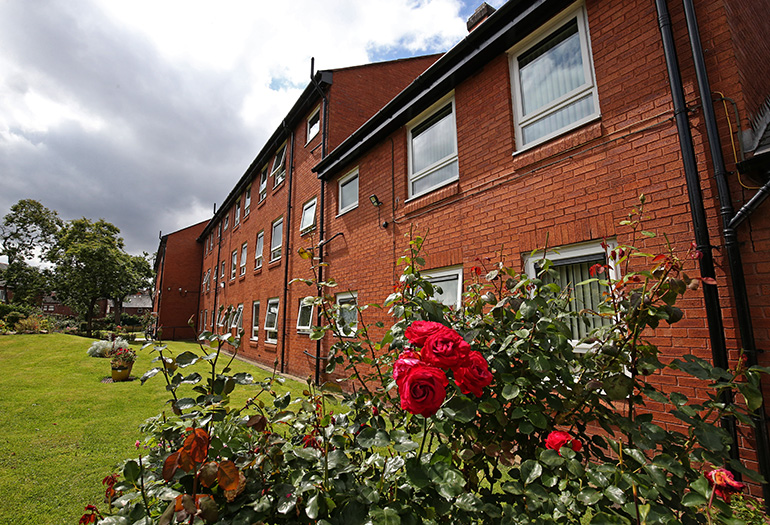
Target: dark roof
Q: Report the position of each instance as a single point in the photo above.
(497, 34)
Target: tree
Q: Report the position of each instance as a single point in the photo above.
(134, 276)
(29, 228)
(90, 264)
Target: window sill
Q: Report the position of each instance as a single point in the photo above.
(258, 270)
(261, 203)
(273, 264)
(444, 192)
(278, 186)
(569, 140)
(242, 277)
(271, 346)
(304, 232)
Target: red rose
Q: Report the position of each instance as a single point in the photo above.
(405, 361)
(724, 483)
(558, 439)
(445, 348)
(422, 389)
(474, 375)
(419, 331)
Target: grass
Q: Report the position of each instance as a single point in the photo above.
(63, 430)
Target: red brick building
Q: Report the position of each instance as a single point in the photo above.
(177, 287)
(544, 125)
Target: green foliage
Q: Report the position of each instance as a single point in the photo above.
(559, 435)
(90, 264)
(28, 227)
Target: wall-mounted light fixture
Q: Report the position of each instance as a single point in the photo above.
(374, 200)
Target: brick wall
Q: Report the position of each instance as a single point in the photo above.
(180, 280)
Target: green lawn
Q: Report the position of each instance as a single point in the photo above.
(63, 430)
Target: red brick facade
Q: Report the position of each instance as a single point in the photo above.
(177, 282)
(572, 188)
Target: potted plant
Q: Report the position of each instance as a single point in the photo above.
(122, 360)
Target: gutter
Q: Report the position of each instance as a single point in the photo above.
(730, 222)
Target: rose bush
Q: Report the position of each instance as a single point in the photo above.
(484, 414)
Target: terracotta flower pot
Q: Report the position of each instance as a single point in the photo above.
(121, 372)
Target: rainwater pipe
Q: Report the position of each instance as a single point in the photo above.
(697, 210)
(730, 222)
(287, 248)
(321, 208)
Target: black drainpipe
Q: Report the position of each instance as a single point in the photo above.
(732, 248)
(287, 250)
(697, 210)
(321, 211)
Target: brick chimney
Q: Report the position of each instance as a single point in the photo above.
(481, 13)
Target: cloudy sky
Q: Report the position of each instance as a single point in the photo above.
(146, 112)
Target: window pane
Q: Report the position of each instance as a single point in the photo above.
(433, 140)
(308, 215)
(276, 240)
(255, 320)
(435, 178)
(271, 318)
(551, 69)
(304, 319)
(584, 297)
(573, 112)
(450, 289)
(349, 193)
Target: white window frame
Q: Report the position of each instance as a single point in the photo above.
(255, 321)
(234, 264)
(442, 163)
(271, 329)
(247, 202)
(244, 250)
(263, 176)
(344, 298)
(308, 226)
(205, 319)
(347, 179)
(572, 252)
(311, 131)
(226, 222)
(439, 274)
(236, 319)
(305, 328)
(222, 316)
(577, 12)
(237, 213)
(222, 273)
(259, 249)
(278, 172)
(276, 249)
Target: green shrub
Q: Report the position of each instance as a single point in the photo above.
(484, 414)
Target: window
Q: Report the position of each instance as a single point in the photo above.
(219, 230)
(234, 265)
(235, 318)
(433, 150)
(205, 319)
(553, 81)
(305, 316)
(276, 240)
(347, 320)
(279, 166)
(271, 321)
(313, 124)
(255, 321)
(222, 274)
(259, 249)
(450, 282)
(571, 265)
(308, 217)
(263, 184)
(205, 280)
(222, 316)
(243, 258)
(237, 217)
(348, 191)
(247, 202)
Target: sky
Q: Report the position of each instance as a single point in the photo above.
(147, 112)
